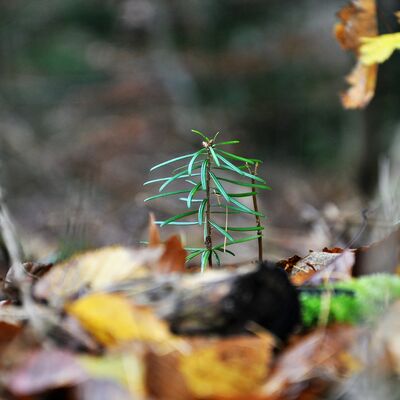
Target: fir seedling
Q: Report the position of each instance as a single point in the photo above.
(216, 180)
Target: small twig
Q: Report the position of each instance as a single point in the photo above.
(258, 220)
(17, 278)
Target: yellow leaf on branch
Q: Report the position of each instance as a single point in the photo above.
(378, 49)
(112, 319)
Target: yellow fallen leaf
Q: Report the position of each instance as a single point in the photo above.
(95, 270)
(227, 367)
(112, 319)
(378, 49)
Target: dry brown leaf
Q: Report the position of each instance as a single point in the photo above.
(362, 81)
(322, 266)
(289, 263)
(339, 269)
(163, 379)
(174, 256)
(154, 233)
(95, 270)
(301, 277)
(112, 319)
(358, 20)
(321, 354)
(8, 331)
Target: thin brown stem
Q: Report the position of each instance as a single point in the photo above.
(258, 220)
(208, 240)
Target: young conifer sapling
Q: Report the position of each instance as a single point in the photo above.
(216, 183)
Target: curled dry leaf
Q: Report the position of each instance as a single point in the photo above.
(111, 319)
(322, 266)
(362, 81)
(289, 263)
(323, 354)
(358, 20)
(174, 257)
(339, 269)
(95, 270)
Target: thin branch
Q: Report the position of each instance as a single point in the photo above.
(258, 220)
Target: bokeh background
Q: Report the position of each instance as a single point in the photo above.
(94, 92)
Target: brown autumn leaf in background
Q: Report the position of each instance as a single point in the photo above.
(358, 20)
(154, 233)
(173, 258)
